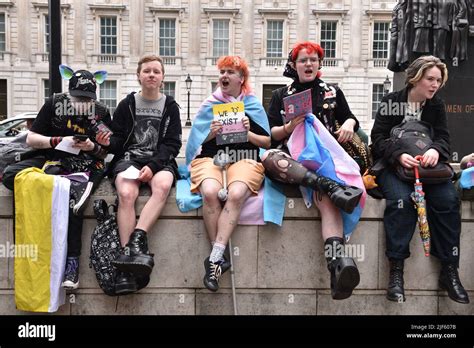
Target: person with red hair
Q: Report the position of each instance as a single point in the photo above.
(335, 199)
(245, 174)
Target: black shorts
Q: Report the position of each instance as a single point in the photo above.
(139, 163)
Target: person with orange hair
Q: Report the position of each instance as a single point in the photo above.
(245, 173)
(337, 193)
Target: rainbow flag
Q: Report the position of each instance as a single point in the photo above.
(41, 216)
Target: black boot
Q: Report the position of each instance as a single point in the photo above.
(395, 290)
(125, 283)
(343, 197)
(449, 280)
(213, 273)
(135, 258)
(344, 273)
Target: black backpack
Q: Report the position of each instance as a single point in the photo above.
(105, 246)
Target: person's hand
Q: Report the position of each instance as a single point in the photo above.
(216, 127)
(430, 158)
(407, 160)
(145, 174)
(103, 138)
(246, 123)
(86, 145)
(290, 126)
(346, 132)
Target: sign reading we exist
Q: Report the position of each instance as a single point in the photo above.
(233, 130)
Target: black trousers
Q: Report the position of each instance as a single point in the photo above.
(74, 243)
(400, 218)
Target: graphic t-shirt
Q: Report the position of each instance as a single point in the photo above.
(149, 114)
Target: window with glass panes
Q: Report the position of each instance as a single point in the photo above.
(108, 35)
(328, 38)
(377, 94)
(3, 47)
(168, 37)
(45, 89)
(220, 37)
(169, 88)
(274, 39)
(381, 40)
(46, 34)
(108, 94)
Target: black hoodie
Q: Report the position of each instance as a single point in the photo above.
(169, 141)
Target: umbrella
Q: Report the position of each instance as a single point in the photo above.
(419, 198)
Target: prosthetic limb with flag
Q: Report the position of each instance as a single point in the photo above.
(418, 198)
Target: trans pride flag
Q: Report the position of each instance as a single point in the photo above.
(329, 160)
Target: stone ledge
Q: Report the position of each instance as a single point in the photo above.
(273, 266)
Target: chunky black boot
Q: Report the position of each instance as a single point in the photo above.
(449, 280)
(135, 258)
(395, 290)
(343, 197)
(344, 273)
(125, 283)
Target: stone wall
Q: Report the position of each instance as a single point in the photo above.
(277, 270)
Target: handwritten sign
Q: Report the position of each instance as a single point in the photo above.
(233, 130)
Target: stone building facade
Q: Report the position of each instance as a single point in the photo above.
(190, 34)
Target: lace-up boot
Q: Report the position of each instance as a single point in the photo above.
(395, 290)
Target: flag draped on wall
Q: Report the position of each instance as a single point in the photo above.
(41, 220)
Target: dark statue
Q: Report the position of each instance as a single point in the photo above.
(438, 27)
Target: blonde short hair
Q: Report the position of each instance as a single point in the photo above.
(418, 67)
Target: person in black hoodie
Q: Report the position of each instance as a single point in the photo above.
(147, 137)
(418, 102)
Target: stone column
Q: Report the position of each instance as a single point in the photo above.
(24, 33)
(79, 49)
(247, 30)
(194, 32)
(355, 32)
(137, 23)
(302, 13)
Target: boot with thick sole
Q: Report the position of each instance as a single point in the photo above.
(125, 283)
(344, 273)
(135, 257)
(343, 197)
(395, 290)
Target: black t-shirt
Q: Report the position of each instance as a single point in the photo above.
(241, 150)
(59, 118)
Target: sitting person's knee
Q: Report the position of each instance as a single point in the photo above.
(127, 195)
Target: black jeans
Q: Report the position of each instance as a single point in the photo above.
(74, 243)
(400, 218)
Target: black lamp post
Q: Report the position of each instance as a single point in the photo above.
(188, 87)
(386, 85)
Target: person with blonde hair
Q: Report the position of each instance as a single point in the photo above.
(418, 101)
(148, 140)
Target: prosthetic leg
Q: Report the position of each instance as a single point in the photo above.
(281, 167)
